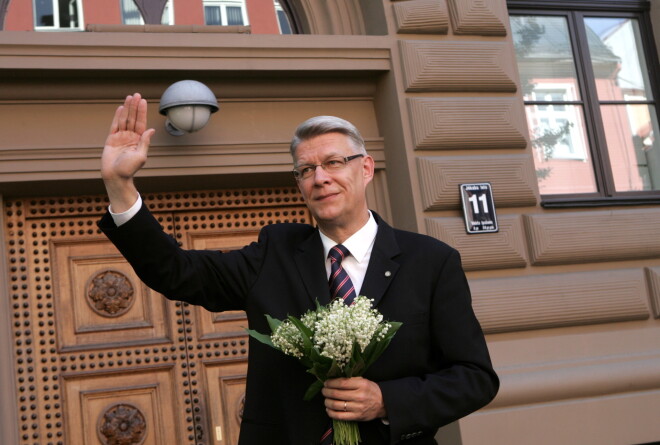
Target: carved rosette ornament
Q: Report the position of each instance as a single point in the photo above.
(110, 293)
(122, 424)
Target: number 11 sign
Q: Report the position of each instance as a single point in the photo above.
(478, 208)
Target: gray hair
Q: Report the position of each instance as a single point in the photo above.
(319, 125)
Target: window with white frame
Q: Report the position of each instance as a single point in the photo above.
(130, 14)
(57, 15)
(225, 12)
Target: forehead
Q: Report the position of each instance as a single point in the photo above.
(323, 146)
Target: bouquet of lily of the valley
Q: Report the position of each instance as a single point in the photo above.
(333, 341)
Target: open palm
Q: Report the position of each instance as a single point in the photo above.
(126, 147)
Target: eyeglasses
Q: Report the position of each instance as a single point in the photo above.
(330, 165)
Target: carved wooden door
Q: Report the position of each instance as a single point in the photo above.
(102, 359)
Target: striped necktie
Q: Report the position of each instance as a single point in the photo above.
(341, 286)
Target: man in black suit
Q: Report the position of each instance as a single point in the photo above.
(437, 368)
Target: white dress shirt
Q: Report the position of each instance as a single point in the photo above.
(359, 245)
(124, 217)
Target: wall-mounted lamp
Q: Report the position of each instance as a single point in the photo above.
(188, 105)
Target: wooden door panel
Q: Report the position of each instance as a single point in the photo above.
(133, 407)
(100, 301)
(95, 348)
(226, 388)
(220, 324)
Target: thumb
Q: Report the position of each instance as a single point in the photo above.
(145, 140)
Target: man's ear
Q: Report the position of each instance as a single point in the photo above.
(369, 166)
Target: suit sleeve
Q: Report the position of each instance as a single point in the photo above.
(464, 379)
(217, 281)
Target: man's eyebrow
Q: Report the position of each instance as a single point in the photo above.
(330, 156)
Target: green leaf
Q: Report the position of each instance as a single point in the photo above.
(263, 338)
(320, 370)
(274, 323)
(334, 371)
(376, 349)
(313, 389)
(316, 357)
(306, 334)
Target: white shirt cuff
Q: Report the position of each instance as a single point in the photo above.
(124, 217)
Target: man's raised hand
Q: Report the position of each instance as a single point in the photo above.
(125, 152)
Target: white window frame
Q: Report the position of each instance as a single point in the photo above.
(223, 4)
(56, 17)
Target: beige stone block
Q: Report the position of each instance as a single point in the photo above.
(421, 17)
(457, 65)
(469, 122)
(511, 176)
(653, 277)
(500, 250)
(578, 237)
(627, 418)
(479, 17)
(556, 300)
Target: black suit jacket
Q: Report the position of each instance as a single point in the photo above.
(436, 370)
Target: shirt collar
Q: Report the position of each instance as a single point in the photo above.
(358, 244)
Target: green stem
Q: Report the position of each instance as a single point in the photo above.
(345, 433)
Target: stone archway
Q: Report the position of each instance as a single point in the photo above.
(340, 17)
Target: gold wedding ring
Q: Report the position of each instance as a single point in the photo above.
(345, 402)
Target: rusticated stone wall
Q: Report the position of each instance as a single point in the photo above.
(569, 298)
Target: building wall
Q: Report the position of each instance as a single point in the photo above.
(261, 14)
(569, 299)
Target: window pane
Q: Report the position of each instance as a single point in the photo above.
(561, 152)
(212, 15)
(617, 59)
(68, 14)
(234, 15)
(544, 54)
(283, 19)
(43, 13)
(130, 13)
(165, 19)
(631, 132)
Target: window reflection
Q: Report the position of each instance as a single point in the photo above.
(554, 110)
(561, 157)
(631, 133)
(619, 67)
(543, 51)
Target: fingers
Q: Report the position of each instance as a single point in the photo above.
(114, 127)
(141, 116)
(132, 116)
(353, 399)
(133, 112)
(123, 114)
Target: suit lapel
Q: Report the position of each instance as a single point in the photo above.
(382, 267)
(308, 260)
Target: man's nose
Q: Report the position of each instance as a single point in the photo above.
(320, 175)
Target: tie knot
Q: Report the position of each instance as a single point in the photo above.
(337, 253)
